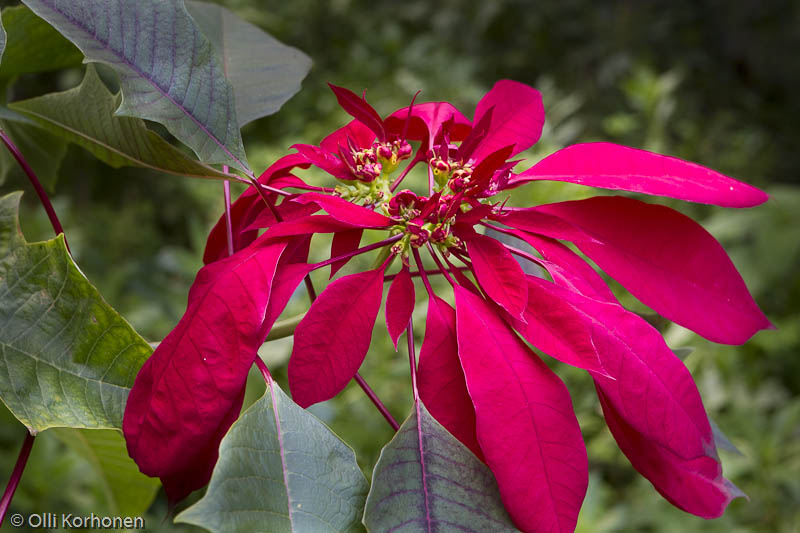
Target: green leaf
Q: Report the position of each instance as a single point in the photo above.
(33, 45)
(127, 491)
(42, 150)
(264, 72)
(67, 359)
(168, 70)
(117, 141)
(281, 469)
(426, 480)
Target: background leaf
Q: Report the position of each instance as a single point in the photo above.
(281, 469)
(426, 480)
(2, 37)
(128, 491)
(43, 151)
(116, 140)
(264, 72)
(33, 45)
(176, 81)
(68, 359)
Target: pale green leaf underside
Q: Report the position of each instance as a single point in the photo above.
(426, 480)
(67, 359)
(168, 70)
(85, 115)
(281, 473)
(128, 492)
(33, 45)
(264, 72)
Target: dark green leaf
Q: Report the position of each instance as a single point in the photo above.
(68, 359)
(264, 72)
(426, 480)
(33, 45)
(128, 491)
(118, 141)
(41, 149)
(168, 70)
(281, 469)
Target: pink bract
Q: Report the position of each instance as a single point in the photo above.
(476, 374)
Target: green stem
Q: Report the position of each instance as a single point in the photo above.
(284, 328)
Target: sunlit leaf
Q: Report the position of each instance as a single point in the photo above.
(68, 359)
(128, 491)
(115, 140)
(426, 480)
(167, 68)
(280, 469)
(264, 72)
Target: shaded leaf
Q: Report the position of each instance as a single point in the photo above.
(344, 211)
(331, 341)
(116, 140)
(526, 426)
(649, 385)
(555, 327)
(281, 470)
(694, 484)
(426, 480)
(68, 359)
(344, 242)
(190, 391)
(440, 379)
(498, 273)
(567, 268)
(359, 109)
(669, 262)
(264, 72)
(128, 491)
(177, 81)
(33, 45)
(426, 121)
(399, 304)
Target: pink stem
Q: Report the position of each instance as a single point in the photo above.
(37, 185)
(416, 274)
(16, 475)
(328, 190)
(226, 190)
(412, 358)
(262, 366)
(359, 251)
(513, 250)
(439, 264)
(423, 273)
(406, 170)
(375, 400)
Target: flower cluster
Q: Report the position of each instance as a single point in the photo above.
(476, 373)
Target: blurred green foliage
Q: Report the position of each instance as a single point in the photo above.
(712, 82)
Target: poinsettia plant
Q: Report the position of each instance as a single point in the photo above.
(476, 372)
(427, 196)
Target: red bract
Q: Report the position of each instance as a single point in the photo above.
(476, 374)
